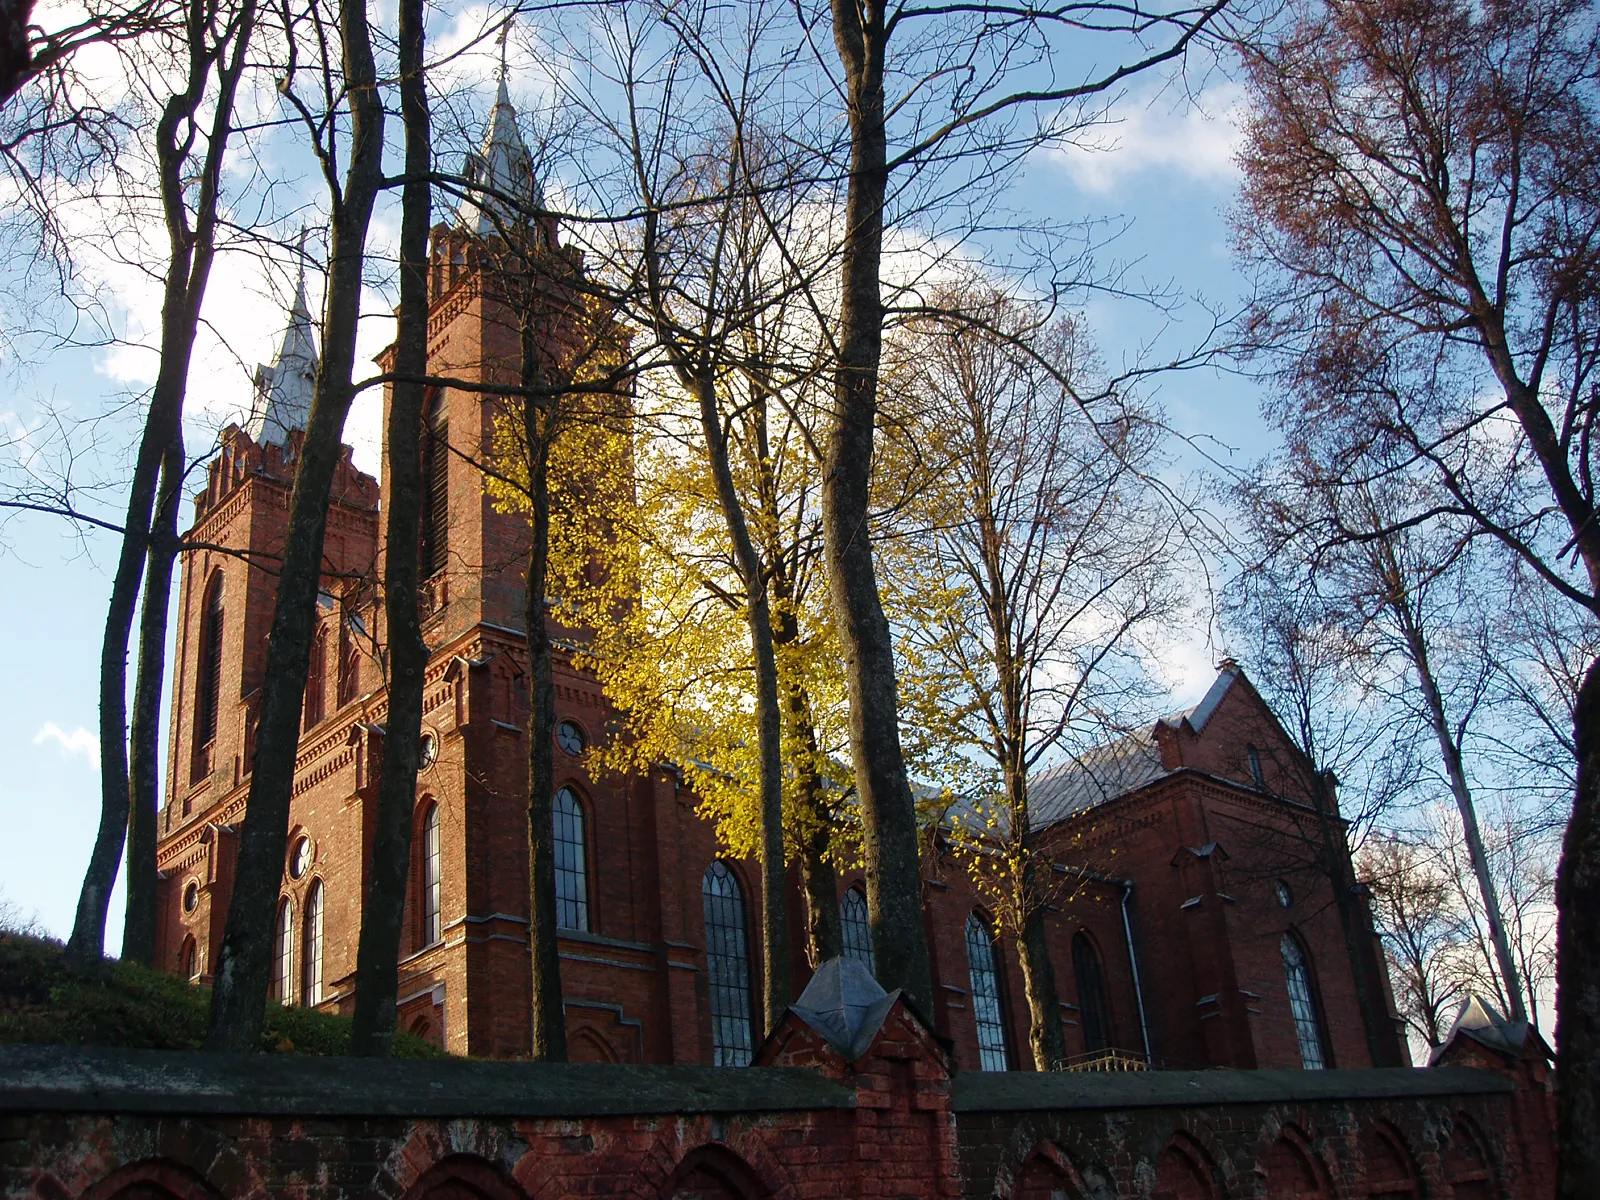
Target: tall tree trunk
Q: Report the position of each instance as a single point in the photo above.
(549, 1019)
(1455, 767)
(144, 781)
(1578, 962)
(812, 816)
(239, 997)
(377, 958)
(888, 816)
(184, 291)
(769, 717)
(1046, 1038)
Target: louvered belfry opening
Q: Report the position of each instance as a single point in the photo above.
(436, 491)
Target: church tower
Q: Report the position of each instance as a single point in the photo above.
(481, 287)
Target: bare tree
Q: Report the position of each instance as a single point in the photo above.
(1421, 199)
(351, 157)
(382, 914)
(212, 45)
(1419, 926)
(1022, 576)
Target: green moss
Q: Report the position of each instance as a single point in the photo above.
(42, 1002)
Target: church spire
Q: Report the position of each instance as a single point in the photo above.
(502, 167)
(284, 389)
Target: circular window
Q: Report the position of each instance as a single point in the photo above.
(428, 754)
(300, 858)
(191, 897)
(569, 737)
(1285, 896)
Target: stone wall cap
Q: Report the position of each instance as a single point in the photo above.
(1030, 1091)
(105, 1080)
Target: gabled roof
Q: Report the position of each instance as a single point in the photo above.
(1482, 1022)
(1112, 769)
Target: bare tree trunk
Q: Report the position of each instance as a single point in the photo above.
(184, 290)
(769, 717)
(1450, 751)
(1578, 961)
(549, 1019)
(824, 932)
(1046, 1038)
(377, 958)
(888, 816)
(144, 782)
(239, 997)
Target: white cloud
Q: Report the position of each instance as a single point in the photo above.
(80, 743)
(1194, 138)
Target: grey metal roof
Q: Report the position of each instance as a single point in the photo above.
(1111, 769)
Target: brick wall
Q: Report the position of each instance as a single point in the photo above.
(894, 1122)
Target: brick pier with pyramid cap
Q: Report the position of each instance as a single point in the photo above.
(854, 1096)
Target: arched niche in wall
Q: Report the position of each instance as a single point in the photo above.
(1184, 1171)
(464, 1177)
(715, 1173)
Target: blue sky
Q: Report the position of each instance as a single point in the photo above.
(1164, 164)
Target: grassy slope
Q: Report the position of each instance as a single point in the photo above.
(41, 1002)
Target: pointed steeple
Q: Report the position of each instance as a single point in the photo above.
(284, 389)
(503, 167)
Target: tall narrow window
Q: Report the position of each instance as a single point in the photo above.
(1091, 980)
(283, 956)
(208, 700)
(1303, 1004)
(1256, 776)
(986, 995)
(432, 925)
(316, 680)
(435, 495)
(727, 967)
(855, 929)
(311, 955)
(191, 960)
(572, 873)
(349, 665)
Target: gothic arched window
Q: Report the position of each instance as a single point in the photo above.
(208, 684)
(311, 955)
(986, 995)
(1303, 1004)
(572, 868)
(855, 929)
(1091, 979)
(189, 958)
(283, 953)
(727, 967)
(432, 925)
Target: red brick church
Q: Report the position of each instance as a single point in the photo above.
(1199, 930)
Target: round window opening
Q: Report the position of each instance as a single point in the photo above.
(300, 858)
(569, 737)
(429, 752)
(1285, 896)
(191, 897)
